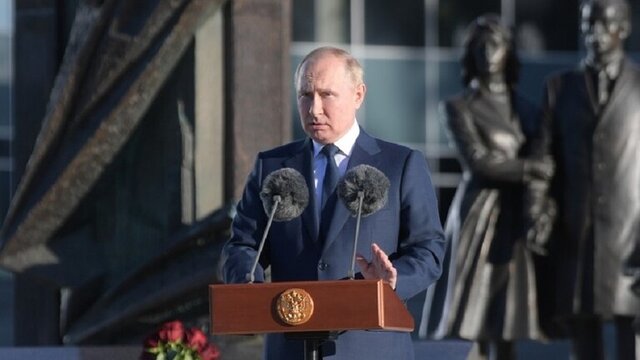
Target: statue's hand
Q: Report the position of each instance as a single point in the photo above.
(538, 169)
(539, 228)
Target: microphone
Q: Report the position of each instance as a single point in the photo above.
(284, 196)
(364, 190)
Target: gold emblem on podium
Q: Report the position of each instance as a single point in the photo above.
(294, 306)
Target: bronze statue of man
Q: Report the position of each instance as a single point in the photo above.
(591, 128)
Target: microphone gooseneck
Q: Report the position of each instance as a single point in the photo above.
(364, 190)
(284, 197)
(274, 208)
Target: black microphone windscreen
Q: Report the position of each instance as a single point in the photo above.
(371, 181)
(290, 186)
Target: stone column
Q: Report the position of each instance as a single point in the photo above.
(258, 109)
(209, 120)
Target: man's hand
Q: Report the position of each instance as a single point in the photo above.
(380, 267)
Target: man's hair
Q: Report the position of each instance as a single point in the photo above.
(621, 5)
(352, 65)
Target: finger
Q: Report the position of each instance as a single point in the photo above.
(362, 262)
(365, 267)
(379, 262)
(389, 270)
(378, 252)
(384, 267)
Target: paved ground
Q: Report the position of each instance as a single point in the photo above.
(458, 350)
(248, 348)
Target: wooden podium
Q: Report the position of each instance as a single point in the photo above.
(315, 310)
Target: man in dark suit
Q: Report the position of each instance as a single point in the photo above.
(592, 129)
(402, 243)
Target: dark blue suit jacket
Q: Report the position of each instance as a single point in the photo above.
(407, 228)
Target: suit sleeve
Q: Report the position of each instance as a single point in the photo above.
(542, 142)
(421, 239)
(240, 251)
(482, 161)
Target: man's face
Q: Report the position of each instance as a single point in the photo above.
(604, 29)
(327, 98)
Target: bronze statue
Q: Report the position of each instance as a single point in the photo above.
(491, 287)
(592, 130)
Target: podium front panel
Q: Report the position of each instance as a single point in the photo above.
(337, 305)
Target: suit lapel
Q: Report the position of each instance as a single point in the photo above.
(363, 153)
(589, 89)
(617, 93)
(302, 160)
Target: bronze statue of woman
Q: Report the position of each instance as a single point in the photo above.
(491, 284)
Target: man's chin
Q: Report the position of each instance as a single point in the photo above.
(322, 139)
(318, 135)
(599, 51)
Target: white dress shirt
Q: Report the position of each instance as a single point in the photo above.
(345, 145)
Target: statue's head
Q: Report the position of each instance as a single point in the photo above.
(604, 24)
(489, 47)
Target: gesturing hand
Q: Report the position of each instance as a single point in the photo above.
(380, 267)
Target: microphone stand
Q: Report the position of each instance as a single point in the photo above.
(276, 201)
(312, 340)
(352, 272)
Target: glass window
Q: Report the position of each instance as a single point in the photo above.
(303, 21)
(455, 15)
(6, 39)
(6, 279)
(407, 81)
(397, 82)
(556, 33)
(388, 23)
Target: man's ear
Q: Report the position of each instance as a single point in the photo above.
(625, 29)
(361, 90)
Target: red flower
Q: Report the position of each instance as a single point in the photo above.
(173, 341)
(210, 352)
(196, 339)
(171, 331)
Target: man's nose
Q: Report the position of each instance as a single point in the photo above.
(315, 107)
(597, 28)
(488, 53)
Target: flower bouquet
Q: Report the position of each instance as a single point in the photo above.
(174, 342)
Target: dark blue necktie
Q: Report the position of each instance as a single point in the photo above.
(331, 174)
(330, 182)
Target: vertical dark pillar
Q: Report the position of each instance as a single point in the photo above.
(259, 84)
(37, 55)
(36, 315)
